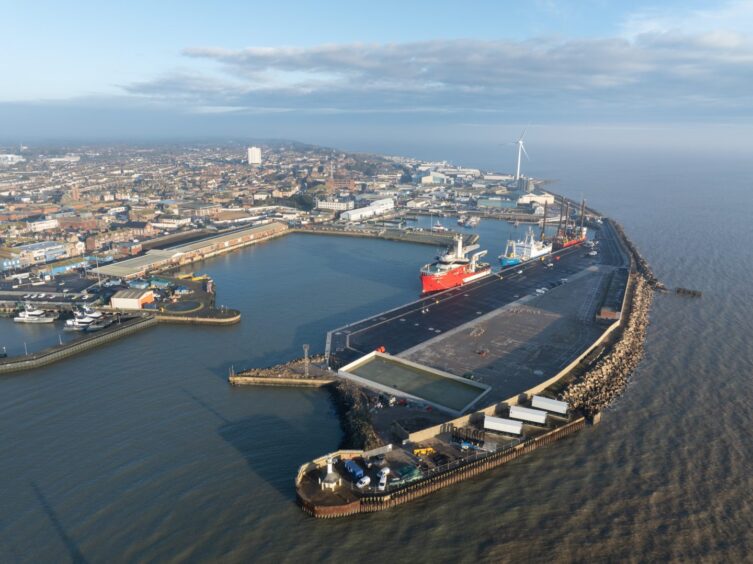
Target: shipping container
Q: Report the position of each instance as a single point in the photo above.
(528, 414)
(503, 425)
(547, 404)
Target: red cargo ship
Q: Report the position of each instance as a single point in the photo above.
(568, 240)
(454, 268)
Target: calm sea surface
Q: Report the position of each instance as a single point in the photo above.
(141, 451)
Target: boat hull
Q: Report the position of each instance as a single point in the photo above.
(570, 243)
(452, 279)
(34, 321)
(506, 261)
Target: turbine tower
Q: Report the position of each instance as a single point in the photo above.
(521, 152)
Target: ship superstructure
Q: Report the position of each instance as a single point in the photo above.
(454, 268)
(524, 250)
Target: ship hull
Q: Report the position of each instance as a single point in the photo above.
(34, 321)
(452, 279)
(507, 261)
(570, 243)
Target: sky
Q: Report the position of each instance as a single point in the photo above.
(372, 75)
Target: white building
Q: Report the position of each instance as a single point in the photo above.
(170, 222)
(42, 225)
(536, 199)
(335, 205)
(9, 160)
(254, 156)
(435, 178)
(378, 207)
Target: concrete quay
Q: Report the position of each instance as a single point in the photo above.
(389, 234)
(500, 332)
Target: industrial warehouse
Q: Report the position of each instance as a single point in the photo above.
(160, 259)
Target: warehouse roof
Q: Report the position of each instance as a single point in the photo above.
(130, 294)
(136, 265)
(219, 239)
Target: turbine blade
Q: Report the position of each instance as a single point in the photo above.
(524, 151)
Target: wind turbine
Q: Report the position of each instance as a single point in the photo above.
(521, 152)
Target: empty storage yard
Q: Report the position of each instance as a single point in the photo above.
(520, 345)
(404, 378)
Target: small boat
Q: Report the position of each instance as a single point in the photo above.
(32, 315)
(90, 312)
(80, 322)
(99, 325)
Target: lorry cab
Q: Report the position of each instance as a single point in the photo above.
(354, 469)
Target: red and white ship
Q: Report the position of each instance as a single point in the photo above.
(454, 268)
(572, 237)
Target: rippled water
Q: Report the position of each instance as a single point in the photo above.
(141, 451)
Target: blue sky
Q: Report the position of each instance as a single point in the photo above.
(326, 71)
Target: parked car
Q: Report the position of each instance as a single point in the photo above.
(382, 483)
(363, 482)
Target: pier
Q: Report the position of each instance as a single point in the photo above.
(126, 326)
(569, 327)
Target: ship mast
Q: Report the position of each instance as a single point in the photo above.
(543, 223)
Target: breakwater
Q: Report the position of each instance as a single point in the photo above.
(350, 402)
(600, 385)
(60, 352)
(352, 406)
(230, 317)
(295, 370)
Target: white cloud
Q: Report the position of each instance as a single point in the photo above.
(735, 16)
(657, 72)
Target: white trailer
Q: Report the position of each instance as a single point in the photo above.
(547, 404)
(528, 414)
(503, 425)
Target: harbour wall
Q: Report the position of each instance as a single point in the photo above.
(419, 237)
(60, 352)
(237, 380)
(198, 320)
(462, 470)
